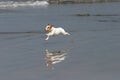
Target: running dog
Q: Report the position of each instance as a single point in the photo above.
(52, 31)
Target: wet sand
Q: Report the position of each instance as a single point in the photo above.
(91, 52)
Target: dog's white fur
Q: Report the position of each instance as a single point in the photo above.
(54, 31)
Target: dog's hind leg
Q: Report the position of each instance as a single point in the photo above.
(65, 33)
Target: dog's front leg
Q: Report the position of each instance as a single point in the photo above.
(47, 38)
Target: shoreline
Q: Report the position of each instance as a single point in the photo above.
(76, 2)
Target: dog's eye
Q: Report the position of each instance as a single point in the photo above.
(48, 28)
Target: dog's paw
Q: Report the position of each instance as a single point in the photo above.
(68, 34)
(46, 39)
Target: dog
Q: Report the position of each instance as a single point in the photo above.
(52, 31)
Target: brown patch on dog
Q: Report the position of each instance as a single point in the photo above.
(49, 27)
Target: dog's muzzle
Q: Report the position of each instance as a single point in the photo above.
(46, 30)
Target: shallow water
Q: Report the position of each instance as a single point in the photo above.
(91, 51)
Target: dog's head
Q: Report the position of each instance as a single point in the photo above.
(48, 28)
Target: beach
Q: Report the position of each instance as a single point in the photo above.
(90, 52)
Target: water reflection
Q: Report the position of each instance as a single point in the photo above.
(54, 57)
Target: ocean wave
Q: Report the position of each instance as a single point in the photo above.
(14, 4)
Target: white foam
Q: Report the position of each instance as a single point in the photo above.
(12, 4)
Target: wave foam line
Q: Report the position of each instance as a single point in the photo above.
(12, 4)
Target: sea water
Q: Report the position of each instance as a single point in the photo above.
(91, 52)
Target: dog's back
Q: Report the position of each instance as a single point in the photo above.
(59, 30)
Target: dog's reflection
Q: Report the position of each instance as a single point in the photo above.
(54, 57)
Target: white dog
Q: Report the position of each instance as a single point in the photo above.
(54, 31)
